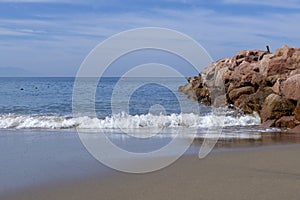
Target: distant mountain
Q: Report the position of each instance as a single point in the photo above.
(15, 72)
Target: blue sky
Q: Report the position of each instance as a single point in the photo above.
(52, 37)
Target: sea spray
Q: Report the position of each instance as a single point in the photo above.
(125, 121)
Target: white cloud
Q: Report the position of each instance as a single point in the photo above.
(271, 3)
(20, 32)
(8, 32)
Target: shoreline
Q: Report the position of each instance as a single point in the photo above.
(264, 173)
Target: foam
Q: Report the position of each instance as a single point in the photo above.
(125, 121)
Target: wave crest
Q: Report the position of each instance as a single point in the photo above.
(125, 121)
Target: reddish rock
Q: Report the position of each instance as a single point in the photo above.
(257, 79)
(283, 62)
(268, 123)
(285, 52)
(184, 89)
(275, 107)
(254, 101)
(295, 130)
(253, 80)
(236, 93)
(291, 88)
(270, 81)
(245, 108)
(244, 68)
(292, 56)
(294, 72)
(241, 99)
(297, 111)
(277, 87)
(234, 83)
(264, 63)
(277, 65)
(286, 122)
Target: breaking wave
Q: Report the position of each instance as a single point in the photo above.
(125, 121)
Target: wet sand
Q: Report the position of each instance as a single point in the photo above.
(258, 173)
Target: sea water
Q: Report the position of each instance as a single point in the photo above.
(46, 103)
(126, 110)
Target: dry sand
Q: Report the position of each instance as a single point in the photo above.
(270, 173)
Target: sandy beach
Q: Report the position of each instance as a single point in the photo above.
(263, 173)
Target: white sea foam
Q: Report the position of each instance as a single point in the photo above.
(125, 121)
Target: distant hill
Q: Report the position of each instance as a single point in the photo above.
(15, 72)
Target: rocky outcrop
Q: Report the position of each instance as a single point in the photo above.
(253, 81)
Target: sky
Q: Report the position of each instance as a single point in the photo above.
(52, 37)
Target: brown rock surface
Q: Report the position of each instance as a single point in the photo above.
(277, 87)
(254, 102)
(275, 107)
(291, 87)
(286, 122)
(295, 130)
(297, 111)
(253, 81)
(236, 93)
(268, 124)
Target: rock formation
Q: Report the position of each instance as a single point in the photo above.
(253, 81)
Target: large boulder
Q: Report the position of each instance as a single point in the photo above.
(276, 66)
(291, 57)
(287, 122)
(291, 88)
(277, 87)
(254, 102)
(236, 93)
(275, 107)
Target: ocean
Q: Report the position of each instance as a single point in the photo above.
(46, 103)
(137, 114)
